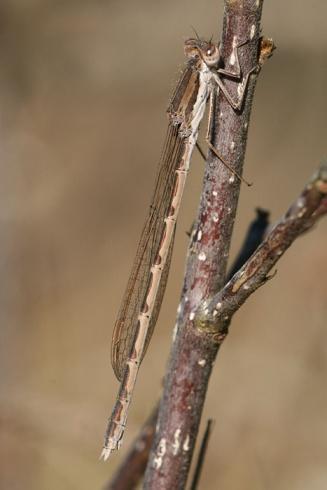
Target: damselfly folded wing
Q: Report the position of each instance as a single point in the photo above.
(133, 299)
(126, 324)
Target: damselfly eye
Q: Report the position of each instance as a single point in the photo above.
(205, 50)
(211, 55)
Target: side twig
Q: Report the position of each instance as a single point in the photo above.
(301, 216)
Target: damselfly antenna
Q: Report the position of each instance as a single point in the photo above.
(197, 35)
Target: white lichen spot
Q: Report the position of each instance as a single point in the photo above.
(202, 256)
(192, 315)
(215, 218)
(279, 252)
(246, 125)
(215, 193)
(232, 58)
(218, 306)
(140, 446)
(232, 145)
(186, 445)
(202, 362)
(226, 317)
(300, 202)
(231, 179)
(229, 210)
(157, 460)
(221, 114)
(175, 329)
(189, 407)
(179, 308)
(199, 236)
(215, 312)
(206, 311)
(177, 443)
(252, 31)
(186, 299)
(246, 287)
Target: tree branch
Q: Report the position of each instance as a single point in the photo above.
(194, 350)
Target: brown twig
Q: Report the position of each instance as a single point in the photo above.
(194, 350)
(300, 217)
(132, 468)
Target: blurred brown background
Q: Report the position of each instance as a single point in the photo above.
(83, 91)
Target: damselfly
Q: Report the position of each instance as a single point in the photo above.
(199, 83)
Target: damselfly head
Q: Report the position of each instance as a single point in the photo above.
(206, 50)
